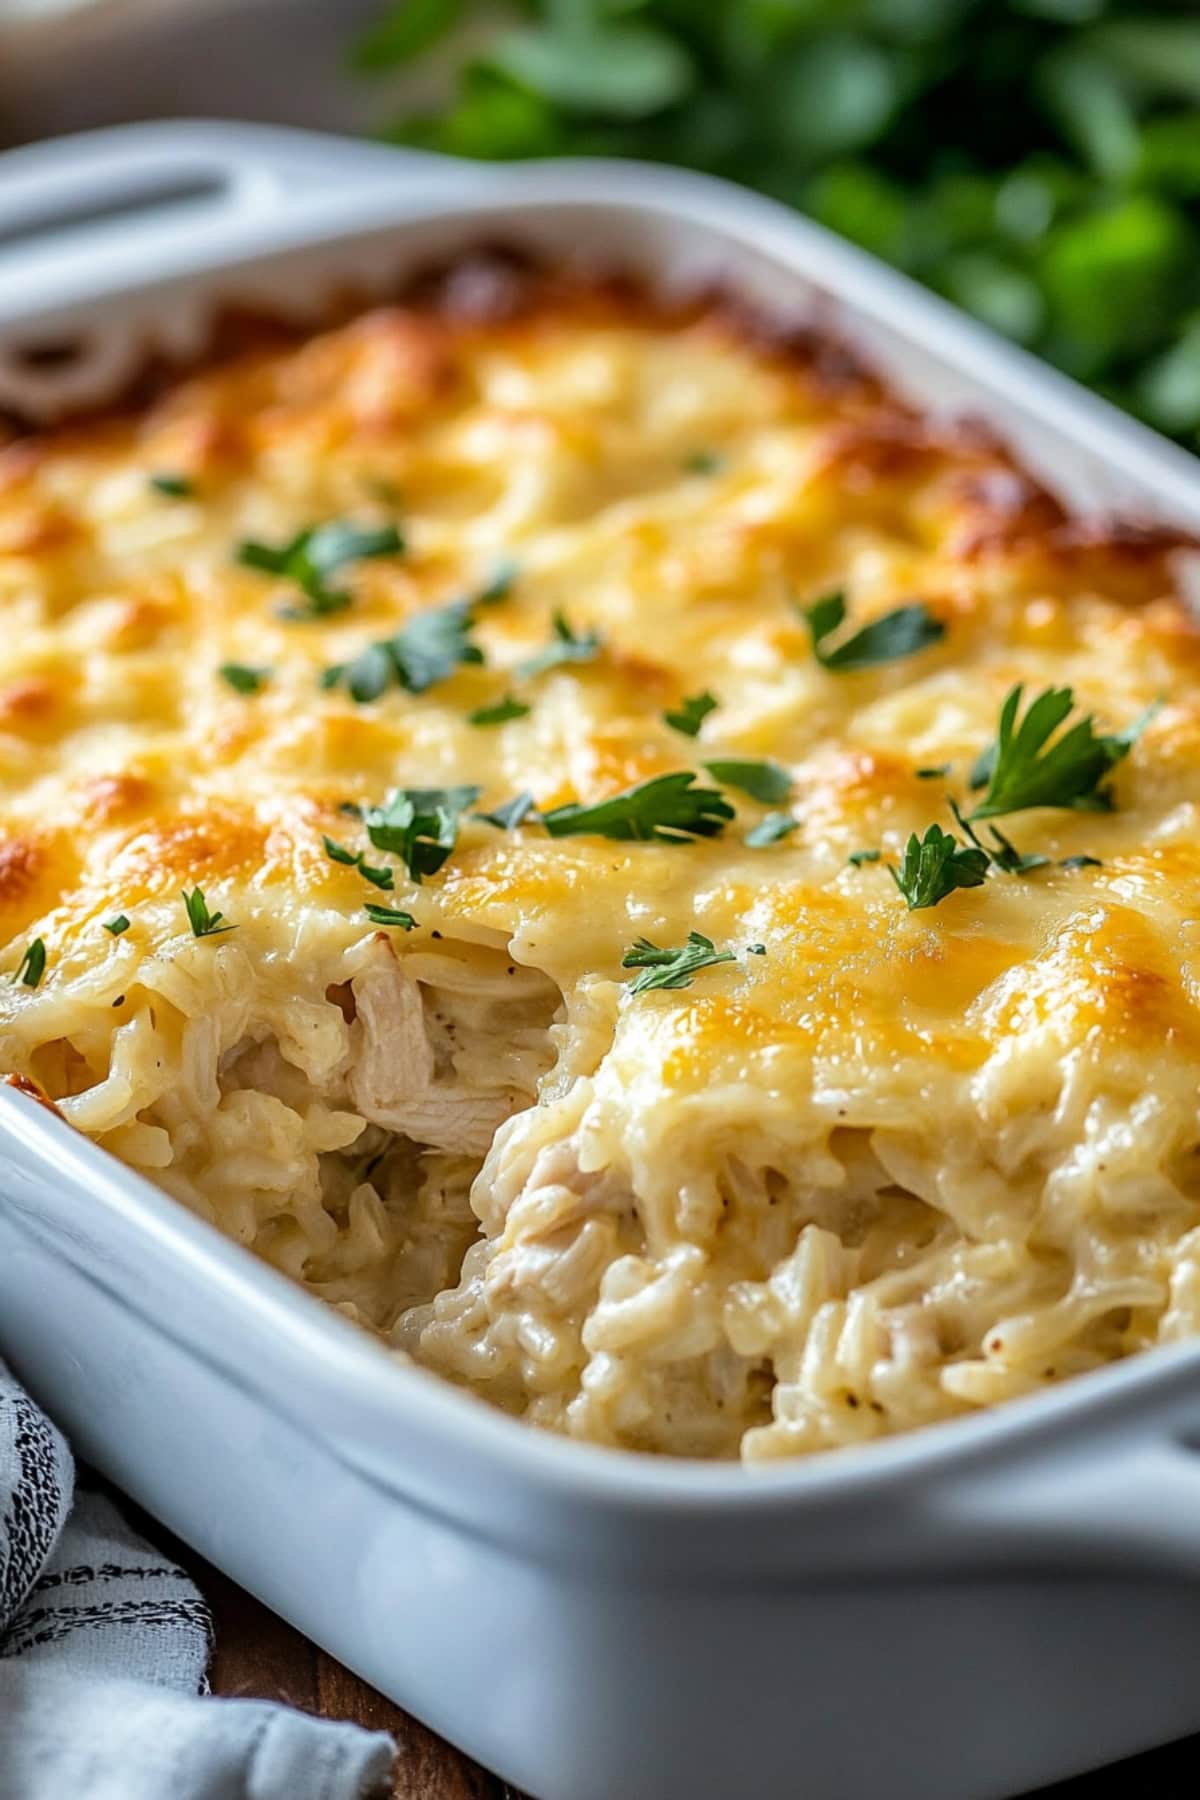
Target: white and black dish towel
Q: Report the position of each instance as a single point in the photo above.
(103, 1649)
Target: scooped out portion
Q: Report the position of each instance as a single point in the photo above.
(656, 879)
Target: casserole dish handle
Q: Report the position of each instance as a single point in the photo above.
(1114, 1486)
(150, 201)
(107, 183)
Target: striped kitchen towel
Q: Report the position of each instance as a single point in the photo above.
(103, 1649)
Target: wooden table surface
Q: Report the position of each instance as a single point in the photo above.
(259, 1657)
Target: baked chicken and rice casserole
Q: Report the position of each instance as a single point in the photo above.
(656, 879)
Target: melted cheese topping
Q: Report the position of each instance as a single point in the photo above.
(899, 1166)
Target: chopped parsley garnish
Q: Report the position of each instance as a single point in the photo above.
(425, 650)
(667, 808)
(771, 829)
(1002, 854)
(857, 858)
(933, 866)
(243, 679)
(1011, 861)
(202, 922)
(564, 647)
(764, 781)
(933, 773)
(338, 853)
(507, 817)
(887, 639)
(176, 487)
(499, 587)
(388, 915)
(116, 925)
(500, 713)
(672, 968)
(32, 965)
(704, 462)
(691, 713)
(1023, 768)
(313, 556)
(420, 825)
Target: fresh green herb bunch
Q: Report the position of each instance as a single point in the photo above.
(1037, 161)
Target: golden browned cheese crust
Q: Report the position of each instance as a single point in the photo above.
(892, 1166)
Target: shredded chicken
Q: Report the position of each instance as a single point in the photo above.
(392, 1077)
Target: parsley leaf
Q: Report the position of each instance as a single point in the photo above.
(176, 487)
(1023, 769)
(513, 813)
(672, 968)
(387, 915)
(428, 648)
(933, 866)
(770, 829)
(32, 965)
(202, 922)
(420, 825)
(933, 773)
(764, 781)
(857, 858)
(886, 639)
(313, 556)
(242, 678)
(1081, 862)
(1010, 859)
(116, 925)
(564, 647)
(666, 808)
(500, 713)
(704, 462)
(499, 587)
(1002, 854)
(691, 713)
(383, 489)
(338, 853)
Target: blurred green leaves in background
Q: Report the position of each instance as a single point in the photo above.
(1037, 161)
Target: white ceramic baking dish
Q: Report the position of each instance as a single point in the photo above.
(957, 1614)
